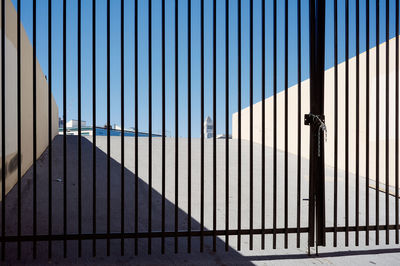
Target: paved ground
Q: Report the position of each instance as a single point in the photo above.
(362, 255)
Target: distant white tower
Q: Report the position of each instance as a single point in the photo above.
(208, 128)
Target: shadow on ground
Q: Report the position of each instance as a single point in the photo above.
(339, 255)
(72, 221)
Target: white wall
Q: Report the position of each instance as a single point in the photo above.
(329, 115)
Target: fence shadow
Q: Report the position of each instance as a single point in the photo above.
(71, 182)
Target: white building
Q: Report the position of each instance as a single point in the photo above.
(208, 128)
(74, 123)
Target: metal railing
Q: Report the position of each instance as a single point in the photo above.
(316, 118)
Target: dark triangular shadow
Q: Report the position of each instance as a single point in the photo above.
(57, 182)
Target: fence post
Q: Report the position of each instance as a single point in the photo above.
(316, 120)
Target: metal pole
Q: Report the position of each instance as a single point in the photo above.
(316, 120)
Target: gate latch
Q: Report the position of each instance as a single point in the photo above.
(319, 121)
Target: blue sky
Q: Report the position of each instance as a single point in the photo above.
(101, 38)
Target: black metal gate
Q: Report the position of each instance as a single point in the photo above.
(137, 202)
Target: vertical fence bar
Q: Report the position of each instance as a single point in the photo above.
(65, 124)
(357, 123)
(19, 216)
(239, 123)
(163, 133)
(123, 132)
(34, 133)
(251, 125)
(335, 197)
(320, 184)
(286, 125)
(215, 125)
(176, 123)
(202, 133)
(79, 134)
(367, 127)
(50, 126)
(94, 123)
(189, 36)
(397, 124)
(263, 125)
(226, 124)
(299, 121)
(108, 132)
(387, 126)
(311, 199)
(136, 130)
(377, 128)
(275, 125)
(347, 125)
(3, 131)
(150, 132)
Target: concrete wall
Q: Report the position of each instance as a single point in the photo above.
(330, 115)
(26, 102)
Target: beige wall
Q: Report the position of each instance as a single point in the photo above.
(329, 114)
(26, 101)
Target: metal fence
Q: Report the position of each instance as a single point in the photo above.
(316, 229)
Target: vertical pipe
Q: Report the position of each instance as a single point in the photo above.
(108, 132)
(215, 125)
(163, 133)
(226, 124)
(347, 125)
(34, 135)
(367, 128)
(136, 130)
(3, 131)
(263, 125)
(150, 132)
(299, 121)
(335, 200)
(319, 109)
(286, 124)
(50, 115)
(275, 136)
(251, 125)
(65, 123)
(239, 123)
(397, 124)
(189, 221)
(79, 134)
(202, 133)
(387, 126)
(176, 124)
(94, 123)
(377, 127)
(317, 156)
(123, 132)
(357, 122)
